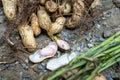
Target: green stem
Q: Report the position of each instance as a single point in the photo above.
(106, 43)
(78, 73)
(92, 52)
(110, 62)
(94, 73)
(112, 49)
(61, 71)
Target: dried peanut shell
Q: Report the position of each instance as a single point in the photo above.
(43, 19)
(57, 26)
(78, 10)
(27, 36)
(9, 7)
(51, 6)
(35, 25)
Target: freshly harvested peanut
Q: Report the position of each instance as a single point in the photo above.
(42, 2)
(27, 36)
(51, 6)
(99, 77)
(35, 25)
(78, 10)
(43, 19)
(9, 7)
(57, 26)
(67, 8)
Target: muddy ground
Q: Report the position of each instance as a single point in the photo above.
(16, 66)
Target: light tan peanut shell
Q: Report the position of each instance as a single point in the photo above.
(9, 7)
(95, 4)
(51, 6)
(78, 10)
(35, 25)
(99, 77)
(57, 26)
(43, 19)
(27, 37)
(42, 2)
(67, 8)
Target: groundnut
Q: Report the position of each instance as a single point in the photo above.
(35, 25)
(43, 19)
(9, 7)
(51, 6)
(42, 2)
(27, 37)
(99, 77)
(78, 11)
(57, 26)
(67, 8)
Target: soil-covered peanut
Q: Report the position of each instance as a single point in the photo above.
(51, 6)
(99, 77)
(43, 19)
(35, 25)
(42, 2)
(57, 26)
(27, 37)
(78, 11)
(9, 7)
(65, 7)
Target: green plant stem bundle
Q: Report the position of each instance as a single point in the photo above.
(105, 55)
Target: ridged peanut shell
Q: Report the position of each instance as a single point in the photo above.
(99, 77)
(67, 8)
(57, 26)
(27, 37)
(9, 7)
(44, 19)
(35, 25)
(51, 6)
(78, 11)
(42, 2)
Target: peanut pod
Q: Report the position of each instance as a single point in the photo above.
(57, 26)
(35, 25)
(65, 7)
(78, 10)
(42, 2)
(43, 19)
(9, 7)
(51, 6)
(27, 36)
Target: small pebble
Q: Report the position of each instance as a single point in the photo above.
(24, 66)
(101, 39)
(109, 78)
(26, 77)
(117, 3)
(1, 78)
(2, 16)
(90, 45)
(40, 67)
(97, 26)
(1, 40)
(107, 33)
